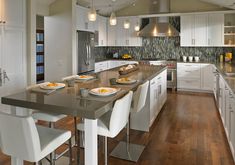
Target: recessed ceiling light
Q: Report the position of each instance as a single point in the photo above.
(154, 2)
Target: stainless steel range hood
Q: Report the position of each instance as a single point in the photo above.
(159, 27)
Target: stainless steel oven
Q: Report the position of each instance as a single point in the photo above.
(171, 78)
(171, 71)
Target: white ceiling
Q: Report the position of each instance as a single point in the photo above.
(105, 7)
(225, 3)
(45, 2)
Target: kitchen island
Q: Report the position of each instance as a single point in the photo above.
(69, 101)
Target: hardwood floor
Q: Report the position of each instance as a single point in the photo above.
(188, 131)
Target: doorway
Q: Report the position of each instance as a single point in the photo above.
(40, 49)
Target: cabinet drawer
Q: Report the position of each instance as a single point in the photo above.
(189, 73)
(188, 66)
(188, 84)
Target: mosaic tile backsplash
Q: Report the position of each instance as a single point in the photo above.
(164, 48)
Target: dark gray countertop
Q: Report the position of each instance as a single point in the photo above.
(69, 101)
(227, 67)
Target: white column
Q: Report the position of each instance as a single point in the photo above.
(91, 153)
(20, 112)
(16, 161)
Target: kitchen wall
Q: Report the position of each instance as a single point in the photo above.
(164, 48)
(58, 41)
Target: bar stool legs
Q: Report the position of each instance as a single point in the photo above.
(127, 150)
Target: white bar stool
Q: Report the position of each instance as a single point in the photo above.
(111, 123)
(126, 150)
(22, 139)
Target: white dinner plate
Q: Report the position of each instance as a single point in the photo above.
(103, 91)
(126, 81)
(55, 86)
(84, 77)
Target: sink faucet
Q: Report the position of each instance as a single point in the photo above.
(5, 76)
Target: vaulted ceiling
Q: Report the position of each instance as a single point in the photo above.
(105, 7)
(126, 7)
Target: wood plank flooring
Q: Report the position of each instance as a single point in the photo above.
(188, 131)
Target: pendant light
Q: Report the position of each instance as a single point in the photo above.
(137, 27)
(113, 19)
(126, 24)
(92, 13)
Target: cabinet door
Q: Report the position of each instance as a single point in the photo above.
(200, 30)
(112, 40)
(121, 33)
(134, 40)
(221, 97)
(13, 62)
(82, 22)
(13, 12)
(102, 28)
(215, 29)
(207, 77)
(232, 124)
(187, 30)
(153, 98)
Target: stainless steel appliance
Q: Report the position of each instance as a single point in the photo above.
(158, 26)
(85, 49)
(171, 71)
(171, 74)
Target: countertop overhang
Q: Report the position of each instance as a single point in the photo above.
(69, 101)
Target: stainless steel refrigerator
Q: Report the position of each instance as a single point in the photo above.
(85, 49)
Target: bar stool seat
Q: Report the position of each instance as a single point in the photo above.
(49, 117)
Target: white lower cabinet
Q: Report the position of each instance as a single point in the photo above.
(194, 76)
(105, 65)
(101, 66)
(232, 125)
(158, 95)
(188, 76)
(227, 109)
(156, 98)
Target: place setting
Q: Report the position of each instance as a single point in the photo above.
(47, 87)
(122, 81)
(84, 78)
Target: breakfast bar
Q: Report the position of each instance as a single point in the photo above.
(69, 101)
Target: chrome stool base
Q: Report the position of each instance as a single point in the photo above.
(128, 151)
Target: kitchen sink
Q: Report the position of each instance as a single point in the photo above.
(230, 74)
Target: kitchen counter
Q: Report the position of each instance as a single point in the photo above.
(69, 101)
(227, 67)
(114, 59)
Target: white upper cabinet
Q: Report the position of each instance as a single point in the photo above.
(194, 30)
(102, 30)
(202, 30)
(187, 32)
(12, 12)
(119, 36)
(215, 29)
(112, 40)
(82, 22)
